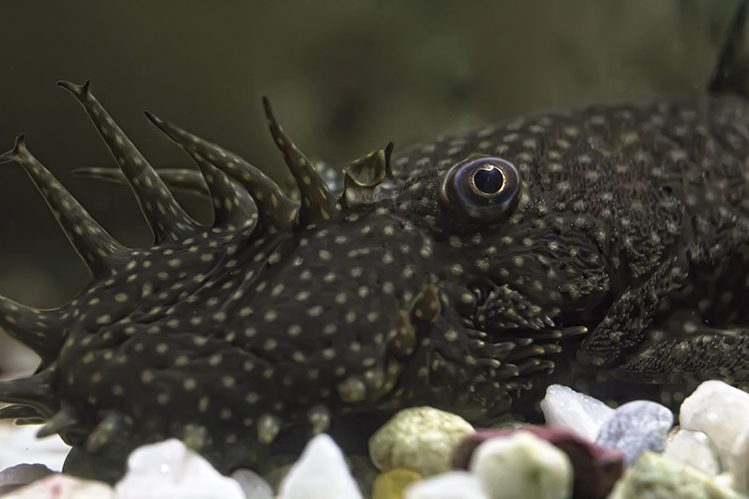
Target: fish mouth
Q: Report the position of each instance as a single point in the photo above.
(493, 370)
(508, 316)
(533, 349)
(518, 336)
(505, 348)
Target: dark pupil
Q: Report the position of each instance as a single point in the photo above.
(488, 181)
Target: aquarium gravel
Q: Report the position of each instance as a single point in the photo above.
(631, 451)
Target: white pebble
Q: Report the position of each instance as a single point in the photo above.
(737, 464)
(421, 439)
(693, 448)
(719, 410)
(584, 415)
(253, 485)
(451, 485)
(170, 469)
(522, 465)
(63, 487)
(320, 473)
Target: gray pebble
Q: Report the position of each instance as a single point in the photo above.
(636, 427)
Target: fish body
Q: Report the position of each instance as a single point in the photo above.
(622, 249)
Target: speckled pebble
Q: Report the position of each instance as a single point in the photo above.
(563, 406)
(420, 438)
(170, 469)
(719, 410)
(693, 448)
(522, 465)
(320, 473)
(452, 485)
(636, 427)
(392, 484)
(656, 477)
(63, 487)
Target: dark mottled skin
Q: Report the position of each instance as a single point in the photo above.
(632, 225)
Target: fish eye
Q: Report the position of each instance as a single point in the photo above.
(484, 189)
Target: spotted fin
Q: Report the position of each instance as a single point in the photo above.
(318, 204)
(16, 411)
(34, 391)
(40, 330)
(62, 420)
(276, 211)
(97, 248)
(232, 207)
(109, 427)
(165, 216)
(177, 179)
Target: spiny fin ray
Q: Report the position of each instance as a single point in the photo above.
(318, 204)
(16, 411)
(109, 427)
(63, 419)
(232, 207)
(40, 330)
(276, 211)
(177, 179)
(95, 246)
(167, 219)
(34, 391)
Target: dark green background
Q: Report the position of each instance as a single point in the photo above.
(345, 77)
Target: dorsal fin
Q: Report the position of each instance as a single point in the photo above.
(318, 204)
(276, 211)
